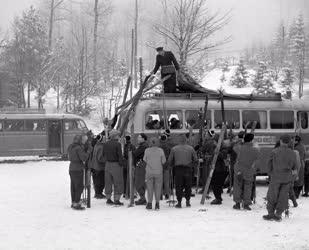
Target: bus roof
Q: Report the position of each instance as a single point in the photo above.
(183, 103)
(39, 116)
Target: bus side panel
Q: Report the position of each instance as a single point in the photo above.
(21, 143)
(262, 162)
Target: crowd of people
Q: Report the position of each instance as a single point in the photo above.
(160, 166)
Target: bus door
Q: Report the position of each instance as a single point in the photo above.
(54, 136)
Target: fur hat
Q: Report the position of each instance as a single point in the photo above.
(241, 134)
(248, 137)
(285, 138)
(159, 49)
(167, 132)
(143, 136)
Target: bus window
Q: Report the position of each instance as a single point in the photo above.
(154, 120)
(14, 125)
(175, 119)
(193, 120)
(231, 116)
(281, 119)
(81, 125)
(302, 119)
(73, 125)
(251, 116)
(35, 125)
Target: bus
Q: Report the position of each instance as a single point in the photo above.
(24, 134)
(273, 117)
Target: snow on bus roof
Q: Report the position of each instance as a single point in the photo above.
(39, 116)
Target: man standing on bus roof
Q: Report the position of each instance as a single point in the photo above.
(113, 168)
(169, 66)
(281, 164)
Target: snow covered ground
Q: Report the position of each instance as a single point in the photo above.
(36, 214)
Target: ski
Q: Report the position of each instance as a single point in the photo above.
(213, 163)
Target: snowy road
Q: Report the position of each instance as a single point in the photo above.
(36, 214)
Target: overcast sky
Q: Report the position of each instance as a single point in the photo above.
(252, 19)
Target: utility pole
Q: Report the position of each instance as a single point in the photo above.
(51, 23)
(135, 43)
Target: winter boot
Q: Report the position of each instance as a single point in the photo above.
(157, 207)
(237, 206)
(295, 203)
(188, 203)
(140, 202)
(246, 207)
(178, 205)
(216, 202)
(277, 218)
(109, 202)
(166, 197)
(268, 217)
(118, 203)
(78, 206)
(305, 195)
(149, 206)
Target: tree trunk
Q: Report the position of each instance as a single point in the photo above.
(135, 44)
(29, 88)
(95, 38)
(51, 23)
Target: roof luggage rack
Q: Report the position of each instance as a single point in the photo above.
(275, 97)
(14, 110)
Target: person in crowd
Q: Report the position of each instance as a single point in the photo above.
(154, 158)
(98, 168)
(140, 168)
(208, 149)
(183, 157)
(113, 168)
(299, 183)
(247, 156)
(169, 66)
(77, 157)
(219, 175)
(166, 146)
(281, 164)
(128, 145)
(233, 155)
(306, 179)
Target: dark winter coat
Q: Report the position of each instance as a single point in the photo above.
(220, 164)
(282, 162)
(301, 172)
(112, 152)
(77, 156)
(167, 59)
(246, 157)
(98, 160)
(138, 153)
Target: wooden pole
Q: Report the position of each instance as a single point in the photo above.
(132, 62)
(141, 71)
(130, 161)
(213, 163)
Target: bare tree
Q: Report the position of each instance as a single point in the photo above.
(191, 26)
(53, 6)
(95, 41)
